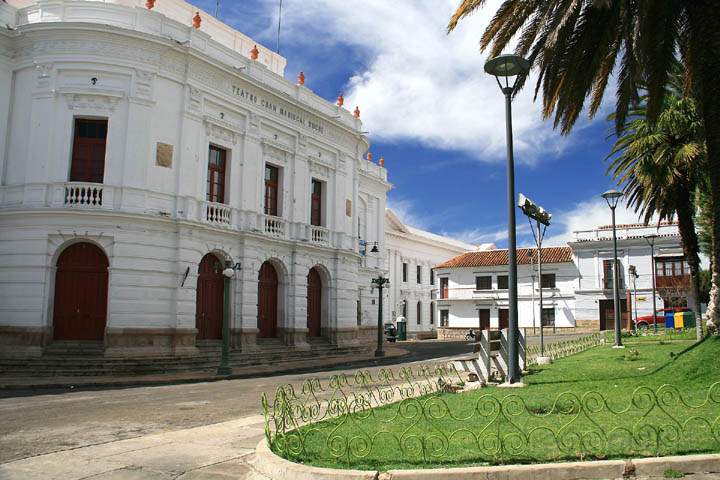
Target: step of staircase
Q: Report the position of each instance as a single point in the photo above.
(93, 363)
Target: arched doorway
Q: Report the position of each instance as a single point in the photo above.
(314, 303)
(209, 299)
(267, 301)
(81, 284)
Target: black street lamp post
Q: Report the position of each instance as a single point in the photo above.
(380, 283)
(612, 197)
(650, 239)
(505, 67)
(228, 272)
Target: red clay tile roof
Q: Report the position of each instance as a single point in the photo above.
(488, 258)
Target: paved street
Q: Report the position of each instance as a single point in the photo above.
(35, 424)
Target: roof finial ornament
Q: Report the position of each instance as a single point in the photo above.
(301, 79)
(196, 20)
(150, 4)
(254, 53)
(369, 156)
(340, 100)
(381, 162)
(357, 112)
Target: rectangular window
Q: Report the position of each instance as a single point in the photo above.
(272, 177)
(502, 282)
(216, 175)
(432, 277)
(548, 317)
(548, 280)
(483, 283)
(419, 313)
(444, 317)
(316, 203)
(443, 288)
(607, 275)
(405, 272)
(432, 314)
(88, 154)
(418, 273)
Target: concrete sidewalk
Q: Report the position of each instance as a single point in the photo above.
(219, 451)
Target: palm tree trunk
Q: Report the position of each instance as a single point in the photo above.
(691, 248)
(713, 307)
(704, 23)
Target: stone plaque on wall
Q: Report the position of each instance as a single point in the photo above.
(163, 157)
(348, 208)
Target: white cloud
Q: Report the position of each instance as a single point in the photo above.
(407, 213)
(586, 215)
(421, 84)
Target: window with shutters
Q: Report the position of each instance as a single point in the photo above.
(272, 179)
(316, 198)
(548, 280)
(483, 283)
(443, 288)
(88, 154)
(216, 174)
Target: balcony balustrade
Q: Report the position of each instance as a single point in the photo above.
(275, 226)
(319, 235)
(83, 194)
(218, 214)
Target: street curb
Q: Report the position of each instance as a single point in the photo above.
(370, 361)
(277, 468)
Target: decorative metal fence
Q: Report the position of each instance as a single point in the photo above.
(407, 419)
(557, 350)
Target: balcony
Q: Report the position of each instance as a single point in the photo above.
(83, 195)
(319, 235)
(676, 282)
(276, 227)
(218, 214)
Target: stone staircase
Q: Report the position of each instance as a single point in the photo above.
(69, 360)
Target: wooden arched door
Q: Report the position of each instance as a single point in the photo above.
(267, 301)
(81, 285)
(314, 303)
(209, 299)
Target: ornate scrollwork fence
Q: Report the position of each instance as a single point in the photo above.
(562, 349)
(405, 418)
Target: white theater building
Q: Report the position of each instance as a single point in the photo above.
(411, 255)
(142, 151)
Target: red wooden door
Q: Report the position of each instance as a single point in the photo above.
(314, 303)
(88, 156)
(484, 318)
(81, 283)
(267, 301)
(209, 299)
(503, 318)
(316, 204)
(272, 176)
(216, 175)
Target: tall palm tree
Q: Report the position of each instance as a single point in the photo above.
(575, 45)
(660, 166)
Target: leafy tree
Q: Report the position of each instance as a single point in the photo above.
(660, 165)
(575, 45)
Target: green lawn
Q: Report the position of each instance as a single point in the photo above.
(587, 406)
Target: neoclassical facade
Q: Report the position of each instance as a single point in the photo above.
(411, 255)
(144, 151)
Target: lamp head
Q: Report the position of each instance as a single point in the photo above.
(374, 249)
(612, 197)
(506, 66)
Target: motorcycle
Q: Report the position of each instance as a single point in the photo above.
(470, 335)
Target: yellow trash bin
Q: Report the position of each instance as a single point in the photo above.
(679, 320)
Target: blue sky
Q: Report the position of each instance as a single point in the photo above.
(434, 115)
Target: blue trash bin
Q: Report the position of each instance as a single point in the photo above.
(670, 319)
